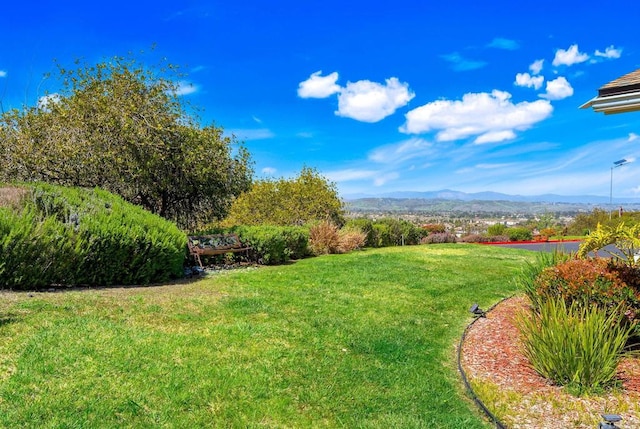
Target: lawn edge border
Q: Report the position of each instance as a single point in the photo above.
(463, 375)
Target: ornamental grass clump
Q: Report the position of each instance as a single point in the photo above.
(577, 345)
(326, 238)
(527, 280)
(351, 238)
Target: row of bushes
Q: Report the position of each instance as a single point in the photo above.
(51, 235)
(278, 244)
(70, 236)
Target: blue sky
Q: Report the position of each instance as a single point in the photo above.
(378, 96)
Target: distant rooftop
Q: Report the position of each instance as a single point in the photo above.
(618, 96)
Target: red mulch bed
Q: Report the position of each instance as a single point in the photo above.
(491, 353)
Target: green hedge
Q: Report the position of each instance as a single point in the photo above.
(72, 236)
(275, 244)
(519, 234)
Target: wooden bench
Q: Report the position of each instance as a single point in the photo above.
(216, 244)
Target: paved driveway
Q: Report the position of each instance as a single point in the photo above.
(565, 246)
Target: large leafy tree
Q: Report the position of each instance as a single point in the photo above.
(122, 126)
(306, 198)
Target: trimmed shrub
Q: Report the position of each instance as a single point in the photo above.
(296, 239)
(34, 252)
(574, 345)
(496, 229)
(519, 234)
(272, 245)
(73, 236)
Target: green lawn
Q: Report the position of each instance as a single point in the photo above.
(365, 340)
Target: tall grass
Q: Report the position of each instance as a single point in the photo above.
(578, 346)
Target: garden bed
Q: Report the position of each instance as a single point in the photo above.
(505, 382)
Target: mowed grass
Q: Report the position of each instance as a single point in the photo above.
(364, 340)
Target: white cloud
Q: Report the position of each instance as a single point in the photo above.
(491, 117)
(609, 52)
(460, 63)
(368, 101)
(501, 43)
(305, 135)
(536, 66)
(383, 179)
(349, 174)
(47, 100)
(379, 178)
(495, 137)
(269, 170)
(251, 134)
(526, 80)
(403, 151)
(3, 73)
(487, 166)
(633, 137)
(186, 88)
(318, 86)
(558, 89)
(569, 57)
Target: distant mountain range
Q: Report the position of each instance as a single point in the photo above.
(447, 202)
(447, 194)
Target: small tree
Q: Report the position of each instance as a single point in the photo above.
(496, 229)
(306, 198)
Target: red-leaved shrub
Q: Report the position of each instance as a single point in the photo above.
(433, 228)
(590, 281)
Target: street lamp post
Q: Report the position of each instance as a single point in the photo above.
(616, 164)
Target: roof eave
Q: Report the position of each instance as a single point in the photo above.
(615, 103)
